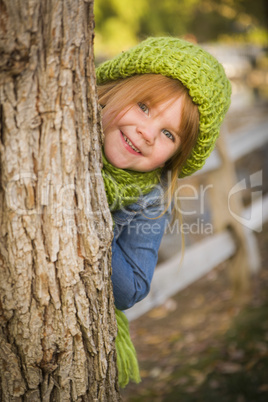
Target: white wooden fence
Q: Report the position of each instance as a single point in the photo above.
(203, 256)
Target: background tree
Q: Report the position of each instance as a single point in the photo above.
(57, 323)
(118, 27)
(236, 20)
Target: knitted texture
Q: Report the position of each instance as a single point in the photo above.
(199, 71)
(124, 187)
(127, 363)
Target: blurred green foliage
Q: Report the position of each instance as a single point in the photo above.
(117, 24)
(121, 24)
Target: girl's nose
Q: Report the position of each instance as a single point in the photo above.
(148, 132)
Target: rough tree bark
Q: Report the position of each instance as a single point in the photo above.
(57, 323)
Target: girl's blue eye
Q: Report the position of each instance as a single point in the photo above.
(143, 107)
(168, 135)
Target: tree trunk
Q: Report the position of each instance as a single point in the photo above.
(57, 322)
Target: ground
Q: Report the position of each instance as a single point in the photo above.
(206, 343)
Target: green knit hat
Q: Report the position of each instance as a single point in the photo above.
(200, 72)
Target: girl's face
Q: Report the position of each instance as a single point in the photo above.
(143, 137)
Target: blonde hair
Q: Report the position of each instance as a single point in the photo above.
(156, 88)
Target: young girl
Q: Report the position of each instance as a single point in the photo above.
(163, 103)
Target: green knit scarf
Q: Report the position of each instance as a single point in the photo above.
(123, 188)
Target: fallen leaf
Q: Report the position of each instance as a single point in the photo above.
(263, 388)
(199, 376)
(214, 384)
(229, 367)
(144, 373)
(155, 372)
(251, 363)
(153, 340)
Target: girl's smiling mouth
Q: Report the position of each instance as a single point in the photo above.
(131, 145)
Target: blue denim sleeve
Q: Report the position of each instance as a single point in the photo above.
(134, 257)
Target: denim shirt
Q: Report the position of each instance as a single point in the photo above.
(138, 231)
